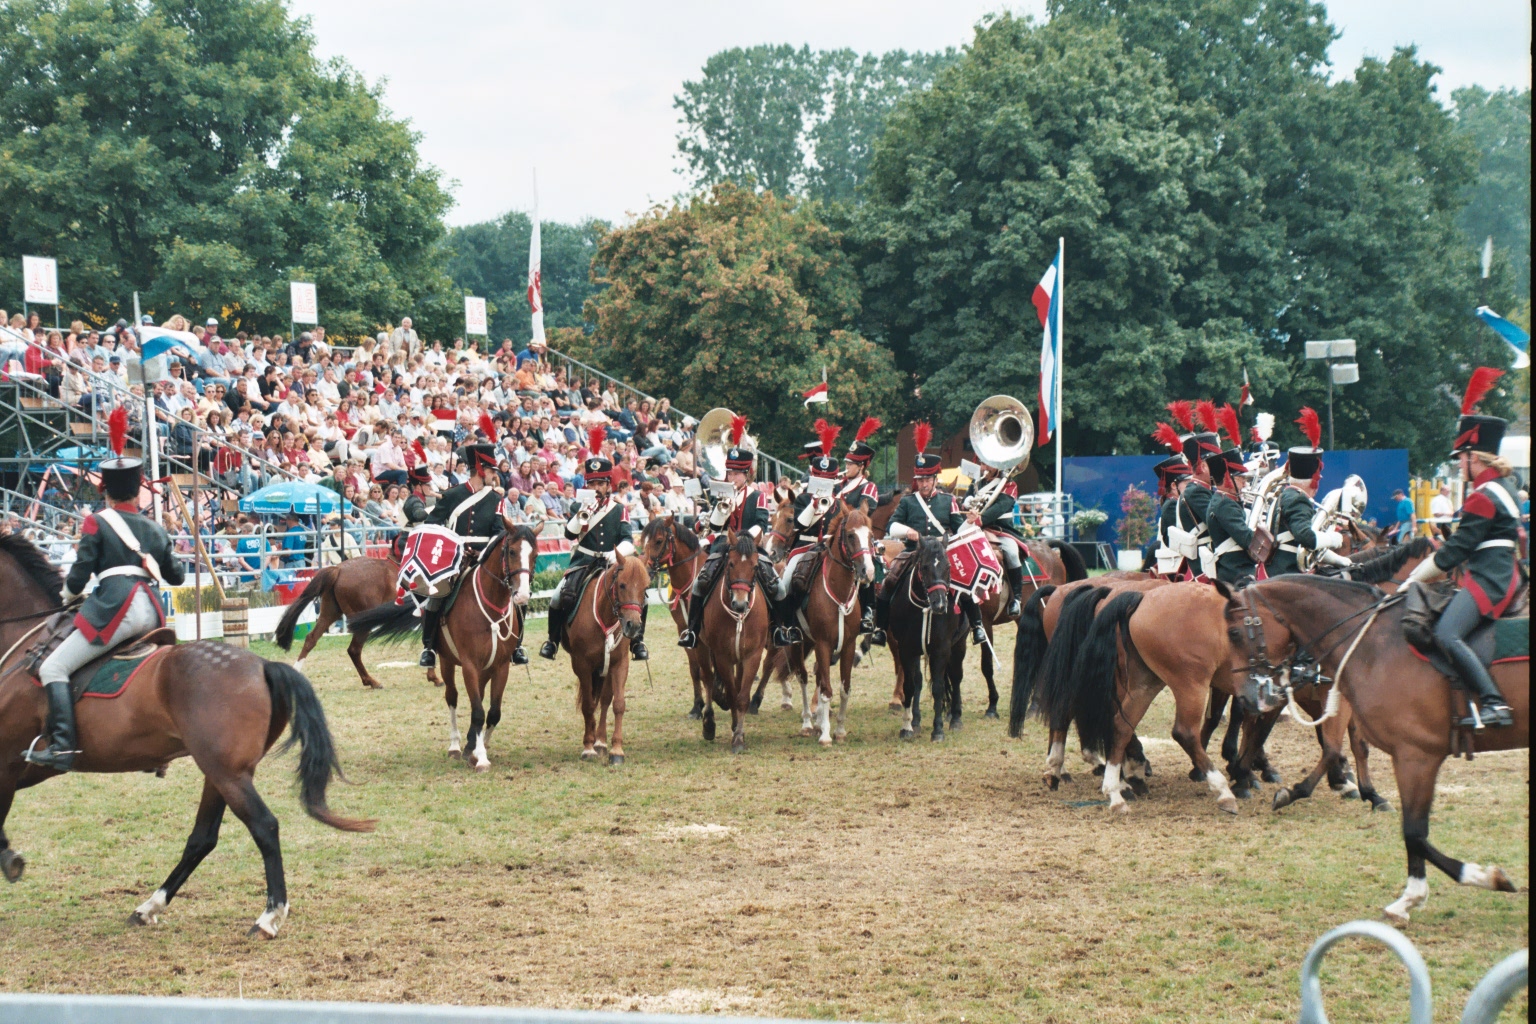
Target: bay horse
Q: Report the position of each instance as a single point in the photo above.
(829, 615)
(219, 704)
(479, 633)
(734, 637)
(354, 586)
(672, 548)
(609, 611)
(1402, 703)
(923, 624)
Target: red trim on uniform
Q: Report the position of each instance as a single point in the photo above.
(1485, 604)
(801, 550)
(107, 633)
(1487, 474)
(88, 527)
(1480, 505)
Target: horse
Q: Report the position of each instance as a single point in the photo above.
(1402, 703)
(672, 548)
(923, 626)
(608, 612)
(354, 586)
(830, 614)
(479, 633)
(734, 637)
(221, 705)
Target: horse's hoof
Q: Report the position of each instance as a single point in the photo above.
(907, 734)
(954, 724)
(589, 755)
(160, 771)
(258, 932)
(1384, 806)
(1196, 775)
(483, 767)
(1052, 781)
(895, 706)
(138, 920)
(1498, 881)
(1282, 799)
(806, 730)
(615, 760)
(786, 705)
(455, 753)
(12, 864)
(697, 711)
(1065, 776)
(826, 742)
(600, 747)
(991, 712)
(709, 731)
(738, 746)
(839, 737)
(1271, 776)
(1127, 793)
(1228, 804)
(1242, 792)
(1350, 794)
(1120, 807)
(752, 708)
(1138, 786)
(1395, 918)
(937, 737)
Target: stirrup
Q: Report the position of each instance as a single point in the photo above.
(688, 639)
(1493, 715)
(877, 637)
(428, 658)
(58, 760)
(549, 650)
(519, 656)
(638, 651)
(786, 636)
(978, 635)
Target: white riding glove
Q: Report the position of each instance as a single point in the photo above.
(1329, 540)
(1426, 572)
(1333, 558)
(900, 531)
(67, 595)
(626, 549)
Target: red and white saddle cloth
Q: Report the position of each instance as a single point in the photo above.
(428, 562)
(974, 568)
(1033, 571)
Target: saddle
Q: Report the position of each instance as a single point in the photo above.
(571, 596)
(805, 571)
(61, 625)
(1506, 639)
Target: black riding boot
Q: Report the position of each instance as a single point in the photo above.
(1016, 585)
(431, 619)
(1461, 617)
(973, 617)
(59, 729)
(556, 631)
(866, 607)
(783, 612)
(882, 617)
(690, 635)
(637, 648)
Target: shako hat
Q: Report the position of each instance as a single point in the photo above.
(120, 477)
(924, 464)
(859, 451)
(1476, 432)
(1305, 462)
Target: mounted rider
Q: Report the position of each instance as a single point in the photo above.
(1291, 520)
(458, 528)
(744, 511)
(1190, 536)
(997, 520)
(129, 555)
(598, 529)
(1173, 473)
(926, 512)
(858, 491)
(812, 510)
(1225, 517)
(1484, 546)
(416, 510)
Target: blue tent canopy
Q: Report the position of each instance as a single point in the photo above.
(305, 499)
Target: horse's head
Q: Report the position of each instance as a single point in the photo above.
(781, 531)
(932, 568)
(656, 542)
(631, 579)
(741, 570)
(1256, 636)
(517, 552)
(851, 533)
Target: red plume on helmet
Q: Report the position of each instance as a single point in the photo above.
(1205, 411)
(1310, 426)
(868, 427)
(488, 427)
(819, 425)
(1228, 418)
(1168, 438)
(595, 438)
(1184, 413)
(1483, 379)
(922, 433)
(738, 428)
(117, 429)
(1255, 436)
(419, 451)
(828, 434)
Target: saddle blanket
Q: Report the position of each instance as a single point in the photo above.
(111, 676)
(429, 559)
(1511, 642)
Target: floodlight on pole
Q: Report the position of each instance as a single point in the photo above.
(1338, 373)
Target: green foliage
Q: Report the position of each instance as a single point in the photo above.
(739, 299)
(1221, 203)
(1498, 124)
(201, 155)
(491, 259)
(795, 121)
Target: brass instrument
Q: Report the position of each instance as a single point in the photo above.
(714, 438)
(1002, 434)
(1339, 508)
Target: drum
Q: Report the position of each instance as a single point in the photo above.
(429, 561)
(973, 565)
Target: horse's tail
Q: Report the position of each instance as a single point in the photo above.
(1059, 667)
(1095, 699)
(1077, 569)
(388, 621)
(292, 693)
(318, 586)
(1027, 650)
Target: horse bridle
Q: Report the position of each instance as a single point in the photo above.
(616, 606)
(672, 560)
(1263, 671)
(841, 548)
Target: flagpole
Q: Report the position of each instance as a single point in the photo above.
(1061, 309)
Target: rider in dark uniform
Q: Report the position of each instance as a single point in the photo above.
(927, 512)
(1227, 522)
(858, 491)
(128, 555)
(813, 512)
(596, 531)
(469, 510)
(416, 511)
(1291, 521)
(745, 511)
(1193, 540)
(998, 517)
(1173, 474)
(1484, 546)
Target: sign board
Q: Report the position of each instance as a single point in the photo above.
(305, 307)
(474, 315)
(40, 280)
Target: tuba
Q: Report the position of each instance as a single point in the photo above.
(1339, 508)
(1002, 434)
(714, 437)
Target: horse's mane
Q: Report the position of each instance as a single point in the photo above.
(519, 534)
(1331, 584)
(745, 544)
(1380, 566)
(689, 539)
(35, 565)
(890, 496)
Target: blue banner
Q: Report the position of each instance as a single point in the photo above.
(1100, 482)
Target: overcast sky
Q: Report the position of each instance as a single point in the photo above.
(583, 91)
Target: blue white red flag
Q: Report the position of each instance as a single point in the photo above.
(156, 341)
(1047, 301)
(1519, 340)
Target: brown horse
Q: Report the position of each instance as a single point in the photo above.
(1402, 703)
(1061, 563)
(354, 586)
(830, 616)
(479, 633)
(672, 548)
(222, 706)
(608, 613)
(734, 637)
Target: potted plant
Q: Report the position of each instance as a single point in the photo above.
(1087, 522)
(1135, 527)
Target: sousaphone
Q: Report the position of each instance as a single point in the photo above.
(1002, 436)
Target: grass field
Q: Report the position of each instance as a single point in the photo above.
(877, 880)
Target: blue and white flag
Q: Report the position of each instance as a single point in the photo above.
(1047, 300)
(156, 341)
(1518, 338)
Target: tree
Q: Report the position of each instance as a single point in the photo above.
(1220, 201)
(738, 299)
(793, 121)
(1498, 124)
(491, 259)
(200, 154)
